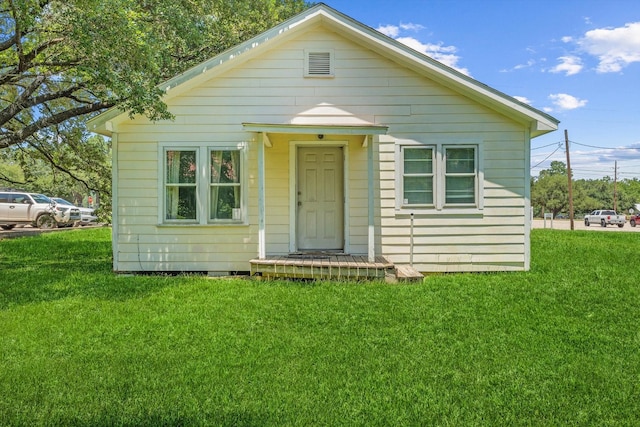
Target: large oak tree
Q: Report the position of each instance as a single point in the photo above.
(62, 61)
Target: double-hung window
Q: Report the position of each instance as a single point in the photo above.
(225, 186)
(181, 170)
(203, 185)
(460, 175)
(417, 175)
(432, 177)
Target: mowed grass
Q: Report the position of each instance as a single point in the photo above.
(559, 345)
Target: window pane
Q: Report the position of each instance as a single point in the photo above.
(460, 189)
(181, 167)
(418, 160)
(460, 160)
(225, 167)
(181, 202)
(224, 199)
(418, 190)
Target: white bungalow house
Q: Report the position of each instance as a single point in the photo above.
(324, 136)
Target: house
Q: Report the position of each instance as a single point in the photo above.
(324, 136)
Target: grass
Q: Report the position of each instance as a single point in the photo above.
(558, 345)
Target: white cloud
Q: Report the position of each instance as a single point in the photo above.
(569, 65)
(412, 27)
(523, 99)
(615, 48)
(563, 102)
(439, 52)
(389, 30)
(444, 54)
(530, 63)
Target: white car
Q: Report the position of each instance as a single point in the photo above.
(21, 208)
(87, 215)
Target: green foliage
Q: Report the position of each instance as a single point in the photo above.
(554, 346)
(63, 61)
(550, 192)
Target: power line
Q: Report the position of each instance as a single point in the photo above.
(608, 148)
(548, 145)
(546, 158)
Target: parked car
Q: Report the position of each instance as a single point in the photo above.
(87, 215)
(634, 219)
(38, 210)
(604, 218)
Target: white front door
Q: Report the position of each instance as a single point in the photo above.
(320, 199)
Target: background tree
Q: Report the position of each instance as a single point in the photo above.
(549, 192)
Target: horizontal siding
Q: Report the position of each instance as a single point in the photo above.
(366, 88)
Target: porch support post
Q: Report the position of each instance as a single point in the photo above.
(262, 244)
(371, 203)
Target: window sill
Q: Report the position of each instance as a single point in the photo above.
(471, 212)
(208, 225)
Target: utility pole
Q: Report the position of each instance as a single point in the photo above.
(615, 186)
(566, 143)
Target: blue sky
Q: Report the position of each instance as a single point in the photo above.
(578, 60)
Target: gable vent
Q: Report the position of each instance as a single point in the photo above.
(319, 64)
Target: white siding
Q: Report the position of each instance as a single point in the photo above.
(271, 88)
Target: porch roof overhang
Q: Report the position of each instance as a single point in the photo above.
(326, 129)
(366, 130)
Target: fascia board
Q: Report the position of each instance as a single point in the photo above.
(449, 77)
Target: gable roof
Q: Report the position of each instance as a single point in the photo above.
(321, 14)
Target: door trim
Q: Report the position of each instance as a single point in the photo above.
(293, 174)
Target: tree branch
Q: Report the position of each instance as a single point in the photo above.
(21, 135)
(58, 167)
(20, 102)
(26, 61)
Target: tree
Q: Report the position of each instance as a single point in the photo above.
(62, 61)
(550, 193)
(68, 58)
(556, 168)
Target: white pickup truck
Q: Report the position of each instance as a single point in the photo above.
(604, 218)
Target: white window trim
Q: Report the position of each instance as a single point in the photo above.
(401, 175)
(203, 180)
(162, 176)
(443, 177)
(439, 206)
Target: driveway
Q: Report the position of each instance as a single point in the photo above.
(564, 224)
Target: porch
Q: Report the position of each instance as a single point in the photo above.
(330, 266)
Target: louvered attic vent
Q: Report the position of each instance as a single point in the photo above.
(319, 64)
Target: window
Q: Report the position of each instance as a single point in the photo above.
(417, 175)
(180, 185)
(225, 187)
(438, 176)
(203, 185)
(460, 175)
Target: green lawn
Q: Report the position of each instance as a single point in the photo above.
(559, 345)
